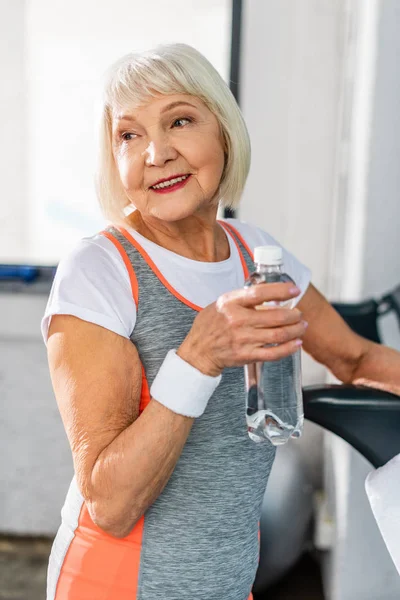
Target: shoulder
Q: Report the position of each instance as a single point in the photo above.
(94, 267)
(95, 251)
(92, 283)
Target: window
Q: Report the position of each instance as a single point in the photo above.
(53, 56)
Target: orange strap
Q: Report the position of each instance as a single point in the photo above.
(241, 238)
(156, 270)
(128, 264)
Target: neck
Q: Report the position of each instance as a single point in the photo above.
(197, 238)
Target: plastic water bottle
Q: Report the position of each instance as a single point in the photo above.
(274, 401)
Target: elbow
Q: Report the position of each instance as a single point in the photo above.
(116, 525)
(109, 511)
(116, 530)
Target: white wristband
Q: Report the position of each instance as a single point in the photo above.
(181, 387)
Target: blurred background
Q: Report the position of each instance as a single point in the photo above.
(319, 86)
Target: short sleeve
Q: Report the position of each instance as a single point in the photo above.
(92, 283)
(255, 236)
(299, 272)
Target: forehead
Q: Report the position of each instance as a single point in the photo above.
(156, 105)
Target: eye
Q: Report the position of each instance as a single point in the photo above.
(188, 119)
(125, 135)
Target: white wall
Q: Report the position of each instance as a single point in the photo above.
(290, 87)
(13, 131)
(381, 266)
(53, 56)
(290, 92)
(381, 269)
(35, 459)
(69, 45)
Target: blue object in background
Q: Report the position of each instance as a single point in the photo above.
(25, 273)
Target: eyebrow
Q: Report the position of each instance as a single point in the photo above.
(165, 109)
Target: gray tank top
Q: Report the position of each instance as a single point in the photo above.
(200, 536)
(200, 539)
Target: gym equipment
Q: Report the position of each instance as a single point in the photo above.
(368, 419)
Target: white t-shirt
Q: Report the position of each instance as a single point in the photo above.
(92, 281)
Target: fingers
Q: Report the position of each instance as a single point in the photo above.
(264, 292)
(275, 352)
(278, 335)
(233, 333)
(272, 317)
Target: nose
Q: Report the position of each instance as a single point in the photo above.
(159, 151)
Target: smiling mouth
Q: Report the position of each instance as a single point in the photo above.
(174, 182)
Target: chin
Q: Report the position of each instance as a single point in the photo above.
(176, 211)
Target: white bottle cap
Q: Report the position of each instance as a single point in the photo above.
(268, 255)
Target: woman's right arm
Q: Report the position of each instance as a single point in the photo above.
(122, 462)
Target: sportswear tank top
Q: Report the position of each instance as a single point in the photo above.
(200, 539)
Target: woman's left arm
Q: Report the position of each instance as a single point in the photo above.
(351, 358)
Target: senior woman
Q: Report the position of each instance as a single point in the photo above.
(148, 327)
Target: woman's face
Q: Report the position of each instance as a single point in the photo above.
(169, 137)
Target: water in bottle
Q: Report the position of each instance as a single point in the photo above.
(274, 402)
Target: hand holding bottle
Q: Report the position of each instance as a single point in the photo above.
(231, 332)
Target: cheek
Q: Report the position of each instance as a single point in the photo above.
(208, 155)
(128, 170)
(214, 162)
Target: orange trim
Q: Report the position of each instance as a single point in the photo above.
(228, 229)
(100, 566)
(241, 238)
(155, 269)
(128, 264)
(152, 265)
(145, 393)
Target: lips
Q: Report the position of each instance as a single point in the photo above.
(167, 188)
(169, 179)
